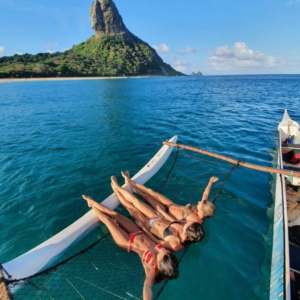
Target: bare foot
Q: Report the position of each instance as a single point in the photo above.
(113, 186)
(126, 177)
(89, 200)
(114, 180)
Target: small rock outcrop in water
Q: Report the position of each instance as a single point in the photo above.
(107, 20)
(198, 74)
(113, 51)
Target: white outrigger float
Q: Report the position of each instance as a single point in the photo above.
(286, 253)
(38, 258)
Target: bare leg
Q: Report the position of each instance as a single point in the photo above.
(142, 190)
(124, 222)
(120, 237)
(134, 212)
(151, 200)
(142, 207)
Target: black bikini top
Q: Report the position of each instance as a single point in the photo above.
(168, 232)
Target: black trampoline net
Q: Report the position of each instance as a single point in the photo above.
(103, 270)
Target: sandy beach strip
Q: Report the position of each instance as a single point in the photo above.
(68, 78)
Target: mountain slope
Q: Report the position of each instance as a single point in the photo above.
(113, 51)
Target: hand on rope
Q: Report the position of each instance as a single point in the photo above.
(225, 180)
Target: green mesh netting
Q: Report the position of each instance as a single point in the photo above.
(104, 271)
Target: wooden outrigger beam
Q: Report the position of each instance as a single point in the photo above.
(235, 161)
(4, 295)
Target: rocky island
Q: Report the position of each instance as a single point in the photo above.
(198, 74)
(112, 51)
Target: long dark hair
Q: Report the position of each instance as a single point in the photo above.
(194, 233)
(168, 268)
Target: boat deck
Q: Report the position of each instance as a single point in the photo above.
(293, 206)
(287, 148)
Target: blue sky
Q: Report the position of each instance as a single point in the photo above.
(212, 36)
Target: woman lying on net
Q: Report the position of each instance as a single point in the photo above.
(166, 207)
(173, 234)
(159, 264)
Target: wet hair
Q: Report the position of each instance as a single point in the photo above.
(194, 233)
(168, 268)
(208, 209)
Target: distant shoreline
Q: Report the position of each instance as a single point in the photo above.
(68, 78)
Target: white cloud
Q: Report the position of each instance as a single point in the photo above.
(239, 56)
(289, 63)
(188, 49)
(17, 52)
(180, 65)
(185, 66)
(50, 51)
(2, 49)
(162, 48)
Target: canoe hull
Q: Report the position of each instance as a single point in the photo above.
(280, 269)
(36, 259)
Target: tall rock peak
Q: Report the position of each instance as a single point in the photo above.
(107, 20)
(120, 53)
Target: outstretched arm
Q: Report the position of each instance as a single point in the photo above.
(150, 277)
(208, 188)
(172, 244)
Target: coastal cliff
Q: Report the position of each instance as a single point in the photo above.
(112, 51)
(106, 19)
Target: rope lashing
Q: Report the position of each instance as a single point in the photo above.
(166, 281)
(163, 183)
(234, 161)
(225, 180)
(237, 164)
(7, 274)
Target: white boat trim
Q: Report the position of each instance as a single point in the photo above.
(287, 121)
(277, 285)
(280, 269)
(36, 259)
(287, 282)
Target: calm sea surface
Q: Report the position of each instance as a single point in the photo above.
(61, 139)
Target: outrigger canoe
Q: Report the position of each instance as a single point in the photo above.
(286, 250)
(38, 258)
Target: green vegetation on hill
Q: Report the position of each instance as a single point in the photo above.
(107, 56)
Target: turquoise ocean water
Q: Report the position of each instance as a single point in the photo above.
(61, 139)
